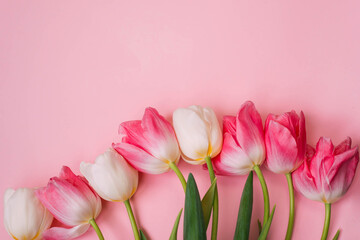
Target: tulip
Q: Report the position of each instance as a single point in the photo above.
(199, 134)
(114, 180)
(25, 217)
(73, 202)
(244, 148)
(150, 144)
(327, 174)
(285, 141)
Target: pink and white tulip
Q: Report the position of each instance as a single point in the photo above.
(72, 201)
(24, 216)
(285, 141)
(198, 132)
(328, 171)
(111, 176)
(149, 145)
(244, 145)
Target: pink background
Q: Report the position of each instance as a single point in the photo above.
(71, 71)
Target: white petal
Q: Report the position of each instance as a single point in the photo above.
(192, 132)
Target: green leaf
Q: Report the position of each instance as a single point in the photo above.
(142, 235)
(259, 226)
(337, 235)
(266, 227)
(194, 226)
(244, 216)
(174, 231)
(208, 202)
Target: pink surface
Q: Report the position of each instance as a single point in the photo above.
(70, 72)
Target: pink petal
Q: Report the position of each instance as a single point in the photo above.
(154, 134)
(59, 233)
(281, 149)
(249, 132)
(304, 183)
(343, 146)
(341, 174)
(232, 159)
(301, 137)
(70, 199)
(324, 151)
(141, 160)
(132, 132)
(229, 125)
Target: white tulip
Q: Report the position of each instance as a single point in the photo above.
(25, 218)
(198, 132)
(111, 176)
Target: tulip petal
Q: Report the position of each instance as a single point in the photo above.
(159, 132)
(229, 123)
(281, 149)
(215, 136)
(232, 160)
(305, 183)
(111, 176)
(249, 132)
(24, 214)
(70, 199)
(59, 233)
(154, 134)
(341, 174)
(192, 132)
(343, 146)
(141, 160)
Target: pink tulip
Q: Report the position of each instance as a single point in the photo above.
(327, 173)
(149, 145)
(243, 146)
(72, 201)
(285, 141)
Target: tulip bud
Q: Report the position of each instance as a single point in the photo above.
(328, 171)
(198, 132)
(285, 141)
(149, 145)
(243, 146)
(72, 201)
(111, 176)
(24, 215)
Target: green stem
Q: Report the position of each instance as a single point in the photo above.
(215, 217)
(265, 193)
(292, 207)
(96, 228)
(179, 174)
(132, 219)
(327, 221)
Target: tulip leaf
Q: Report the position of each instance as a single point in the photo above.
(337, 235)
(266, 227)
(245, 210)
(194, 226)
(142, 235)
(207, 203)
(174, 231)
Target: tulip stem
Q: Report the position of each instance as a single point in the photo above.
(327, 221)
(292, 207)
(179, 174)
(265, 193)
(132, 219)
(215, 217)
(96, 228)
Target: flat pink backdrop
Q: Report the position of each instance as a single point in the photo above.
(71, 71)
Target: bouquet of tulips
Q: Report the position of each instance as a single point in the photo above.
(154, 146)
